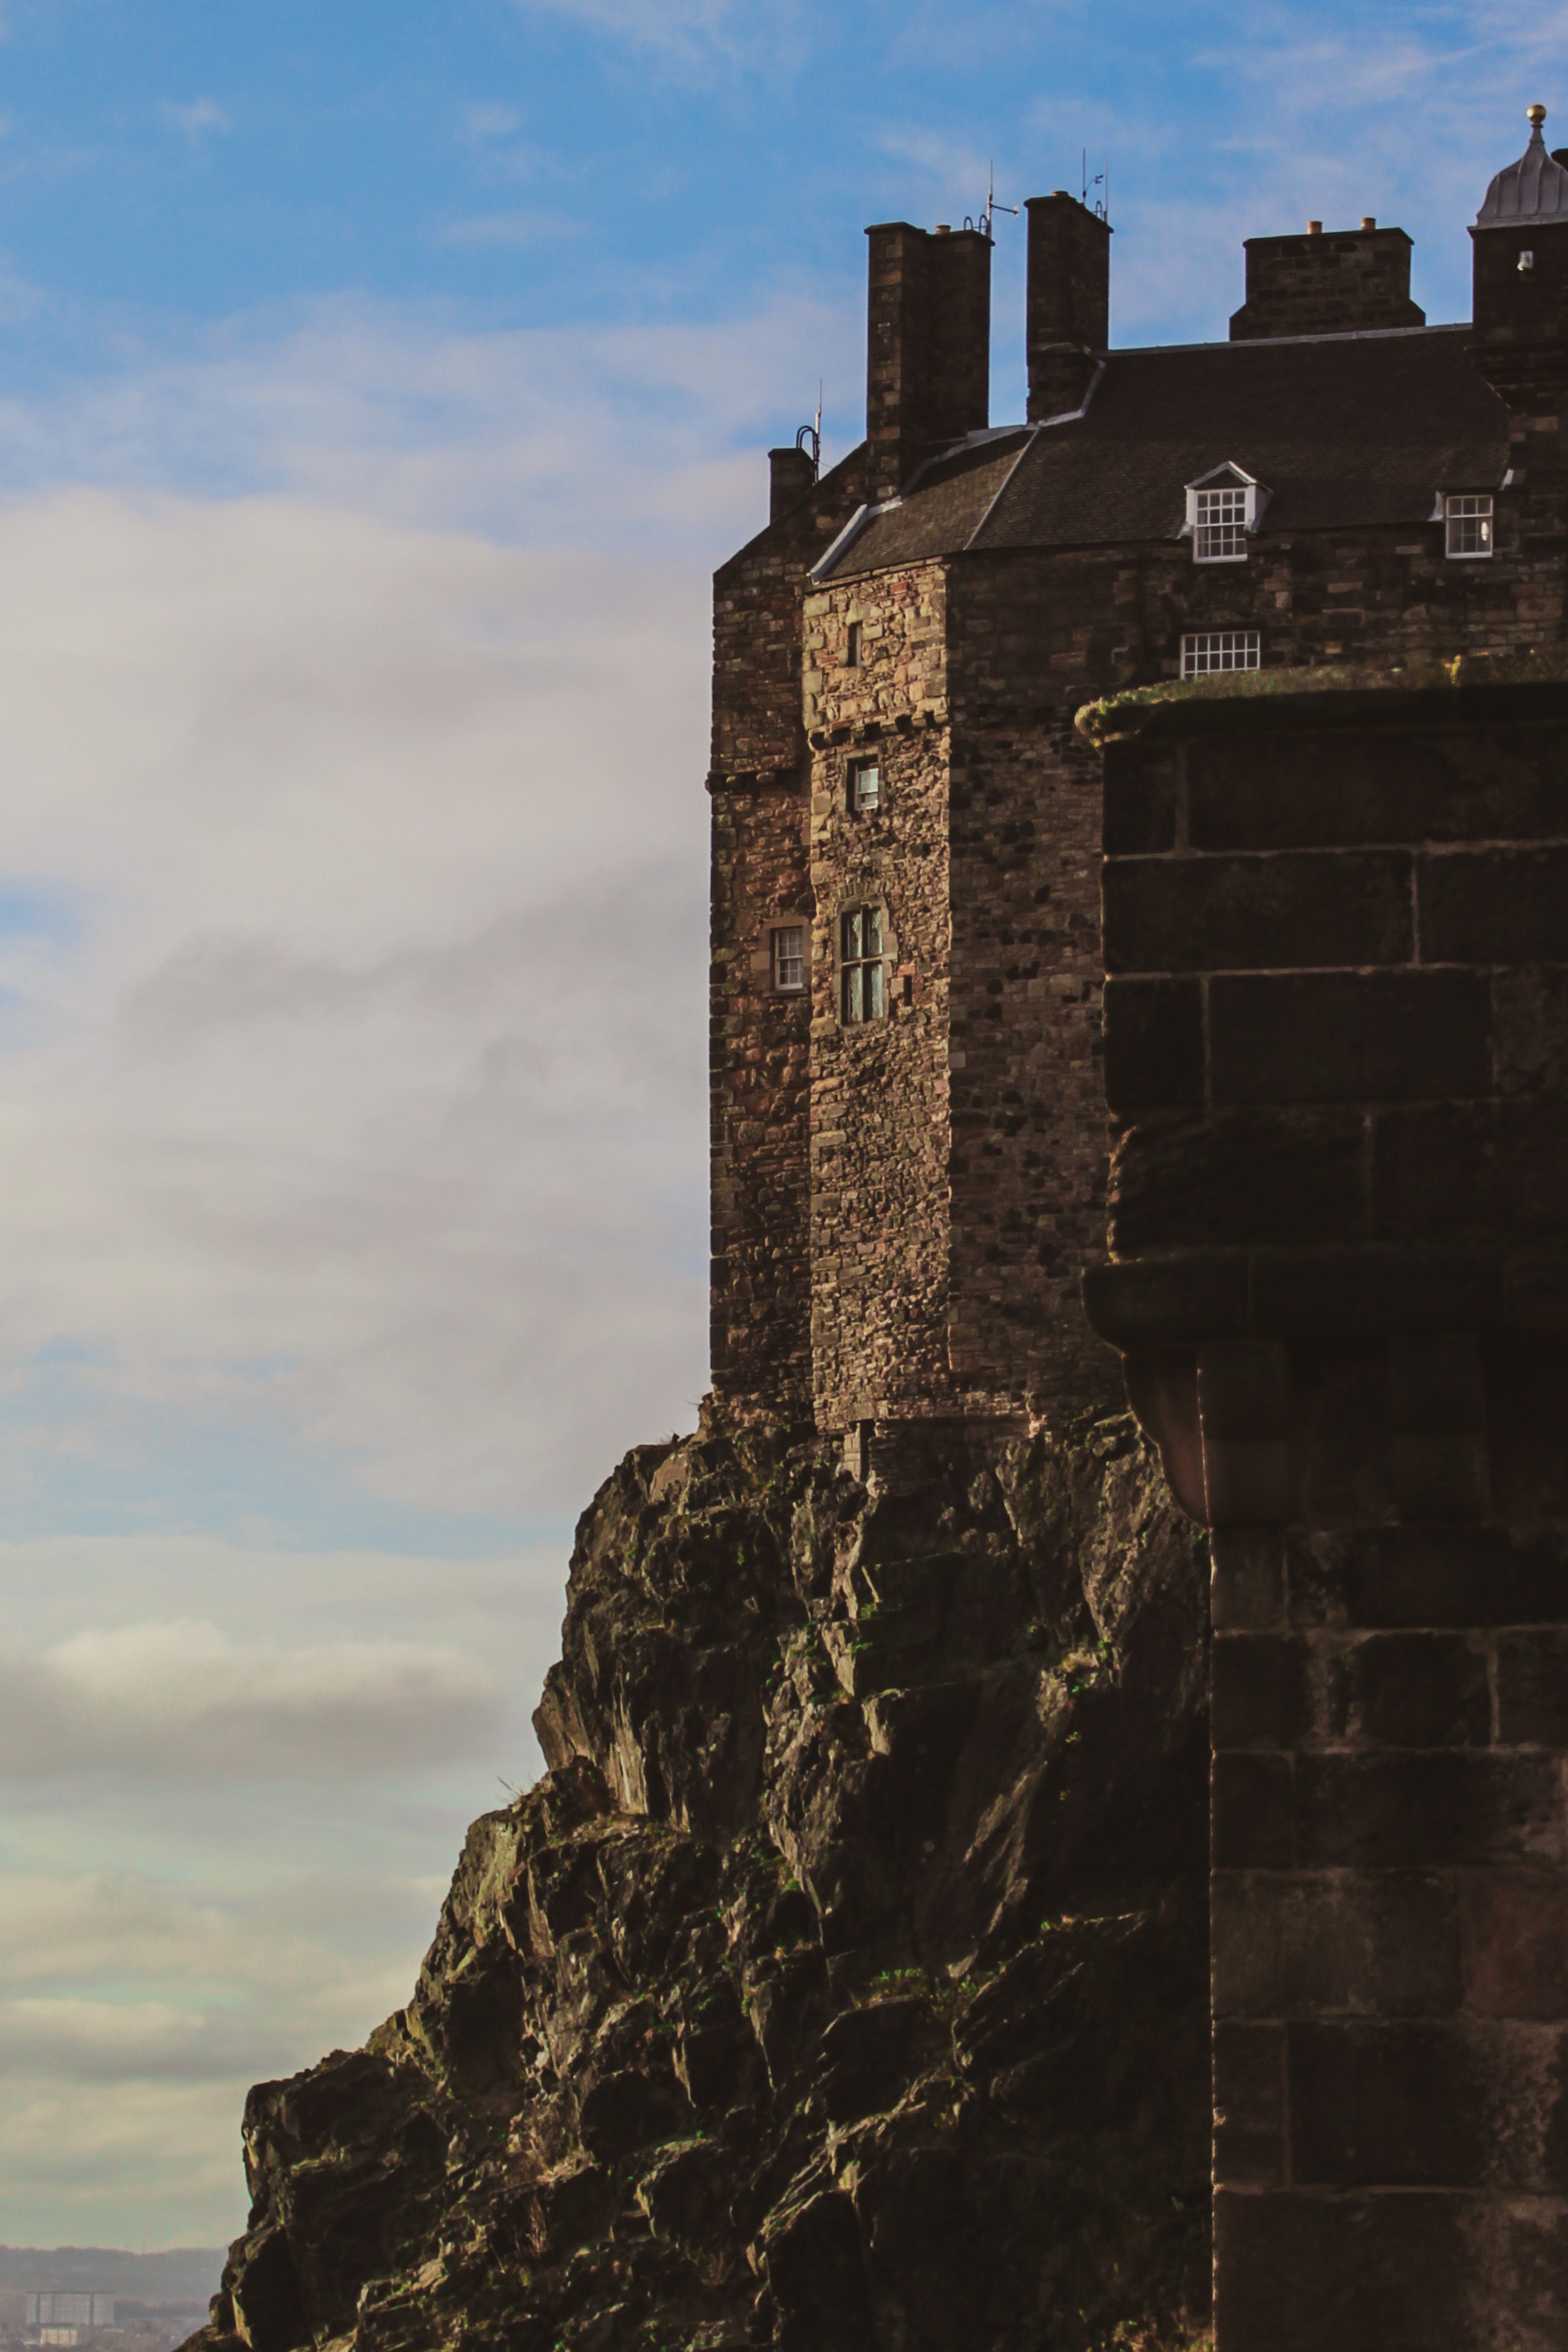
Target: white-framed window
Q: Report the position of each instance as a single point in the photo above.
(1203, 651)
(1223, 509)
(1219, 526)
(1468, 522)
(789, 958)
(864, 787)
(862, 988)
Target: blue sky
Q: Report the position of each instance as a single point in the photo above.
(379, 384)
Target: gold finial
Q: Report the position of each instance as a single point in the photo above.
(1535, 116)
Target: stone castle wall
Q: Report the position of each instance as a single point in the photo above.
(1337, 1051)
(971, 671)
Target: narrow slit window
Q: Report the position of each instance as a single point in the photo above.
(1219, 526)
(861, 982)
(852, 646)
(1467, 518)
(789, 959)
(864, 786)
(1205, 651)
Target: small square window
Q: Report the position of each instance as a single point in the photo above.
(789, 958)
(861, 983)
(1207, 650)
(1468, 518)
(864, 786)
(1220, 526)
(852, 646)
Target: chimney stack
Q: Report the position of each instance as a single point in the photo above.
(928, 346)
(1069, 302)
(791, 474)
(1352, 281)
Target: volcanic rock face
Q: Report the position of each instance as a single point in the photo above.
(843, 1985)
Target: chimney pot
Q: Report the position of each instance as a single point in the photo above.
(1368, 221)
(1314, 229)
(945, 228)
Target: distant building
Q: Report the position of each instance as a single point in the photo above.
(68, 2308)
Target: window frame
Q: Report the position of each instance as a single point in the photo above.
(1234, 525)
(778, 960)
(853, 771)
(1475, 508)
(1197, 643)
(861, 953)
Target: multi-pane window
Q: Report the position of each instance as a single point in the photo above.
(789, 957)
(864, 786)
(1220, 526)
(860, 963)
(1468, 517)
(1207, 650)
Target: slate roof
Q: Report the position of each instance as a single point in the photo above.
(1533, 189)
(1340, 429)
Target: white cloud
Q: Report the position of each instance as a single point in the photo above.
(642, 443)
(368, 1105)
(90, 2166)
(185, 1698)
(487, 121)
(681, 29)
(202, 114)
(512, 229)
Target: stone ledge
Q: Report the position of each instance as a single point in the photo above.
(1471, 687)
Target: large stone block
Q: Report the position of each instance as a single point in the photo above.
(1299, 2273)
(1263, 914)
(1356, 791)
(1295, 1944)
(1153, 1032)
(1436, 1576)
(1266, 1176)
(1249, 2105)
(1493, 906)
(1427, 1811)
(1386, 1036)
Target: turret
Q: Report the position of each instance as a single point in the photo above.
(1520, 259)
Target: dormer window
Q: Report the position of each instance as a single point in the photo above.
(1468, 523)
(1223, 509)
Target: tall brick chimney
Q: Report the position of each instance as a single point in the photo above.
(928, 346)
(1349, 282)
(1068, 300)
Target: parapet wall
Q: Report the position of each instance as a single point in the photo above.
(1336, 935)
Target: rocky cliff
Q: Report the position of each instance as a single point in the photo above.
(843, 1985)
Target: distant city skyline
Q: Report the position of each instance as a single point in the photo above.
(378, 387)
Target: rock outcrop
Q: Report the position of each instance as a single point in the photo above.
(842, 1986)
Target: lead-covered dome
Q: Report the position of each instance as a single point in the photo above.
(1533, 189)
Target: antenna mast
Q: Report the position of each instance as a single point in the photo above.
(809, 438)
(984, 223)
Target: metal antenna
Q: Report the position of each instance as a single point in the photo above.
(992, 205)
(809, 438)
